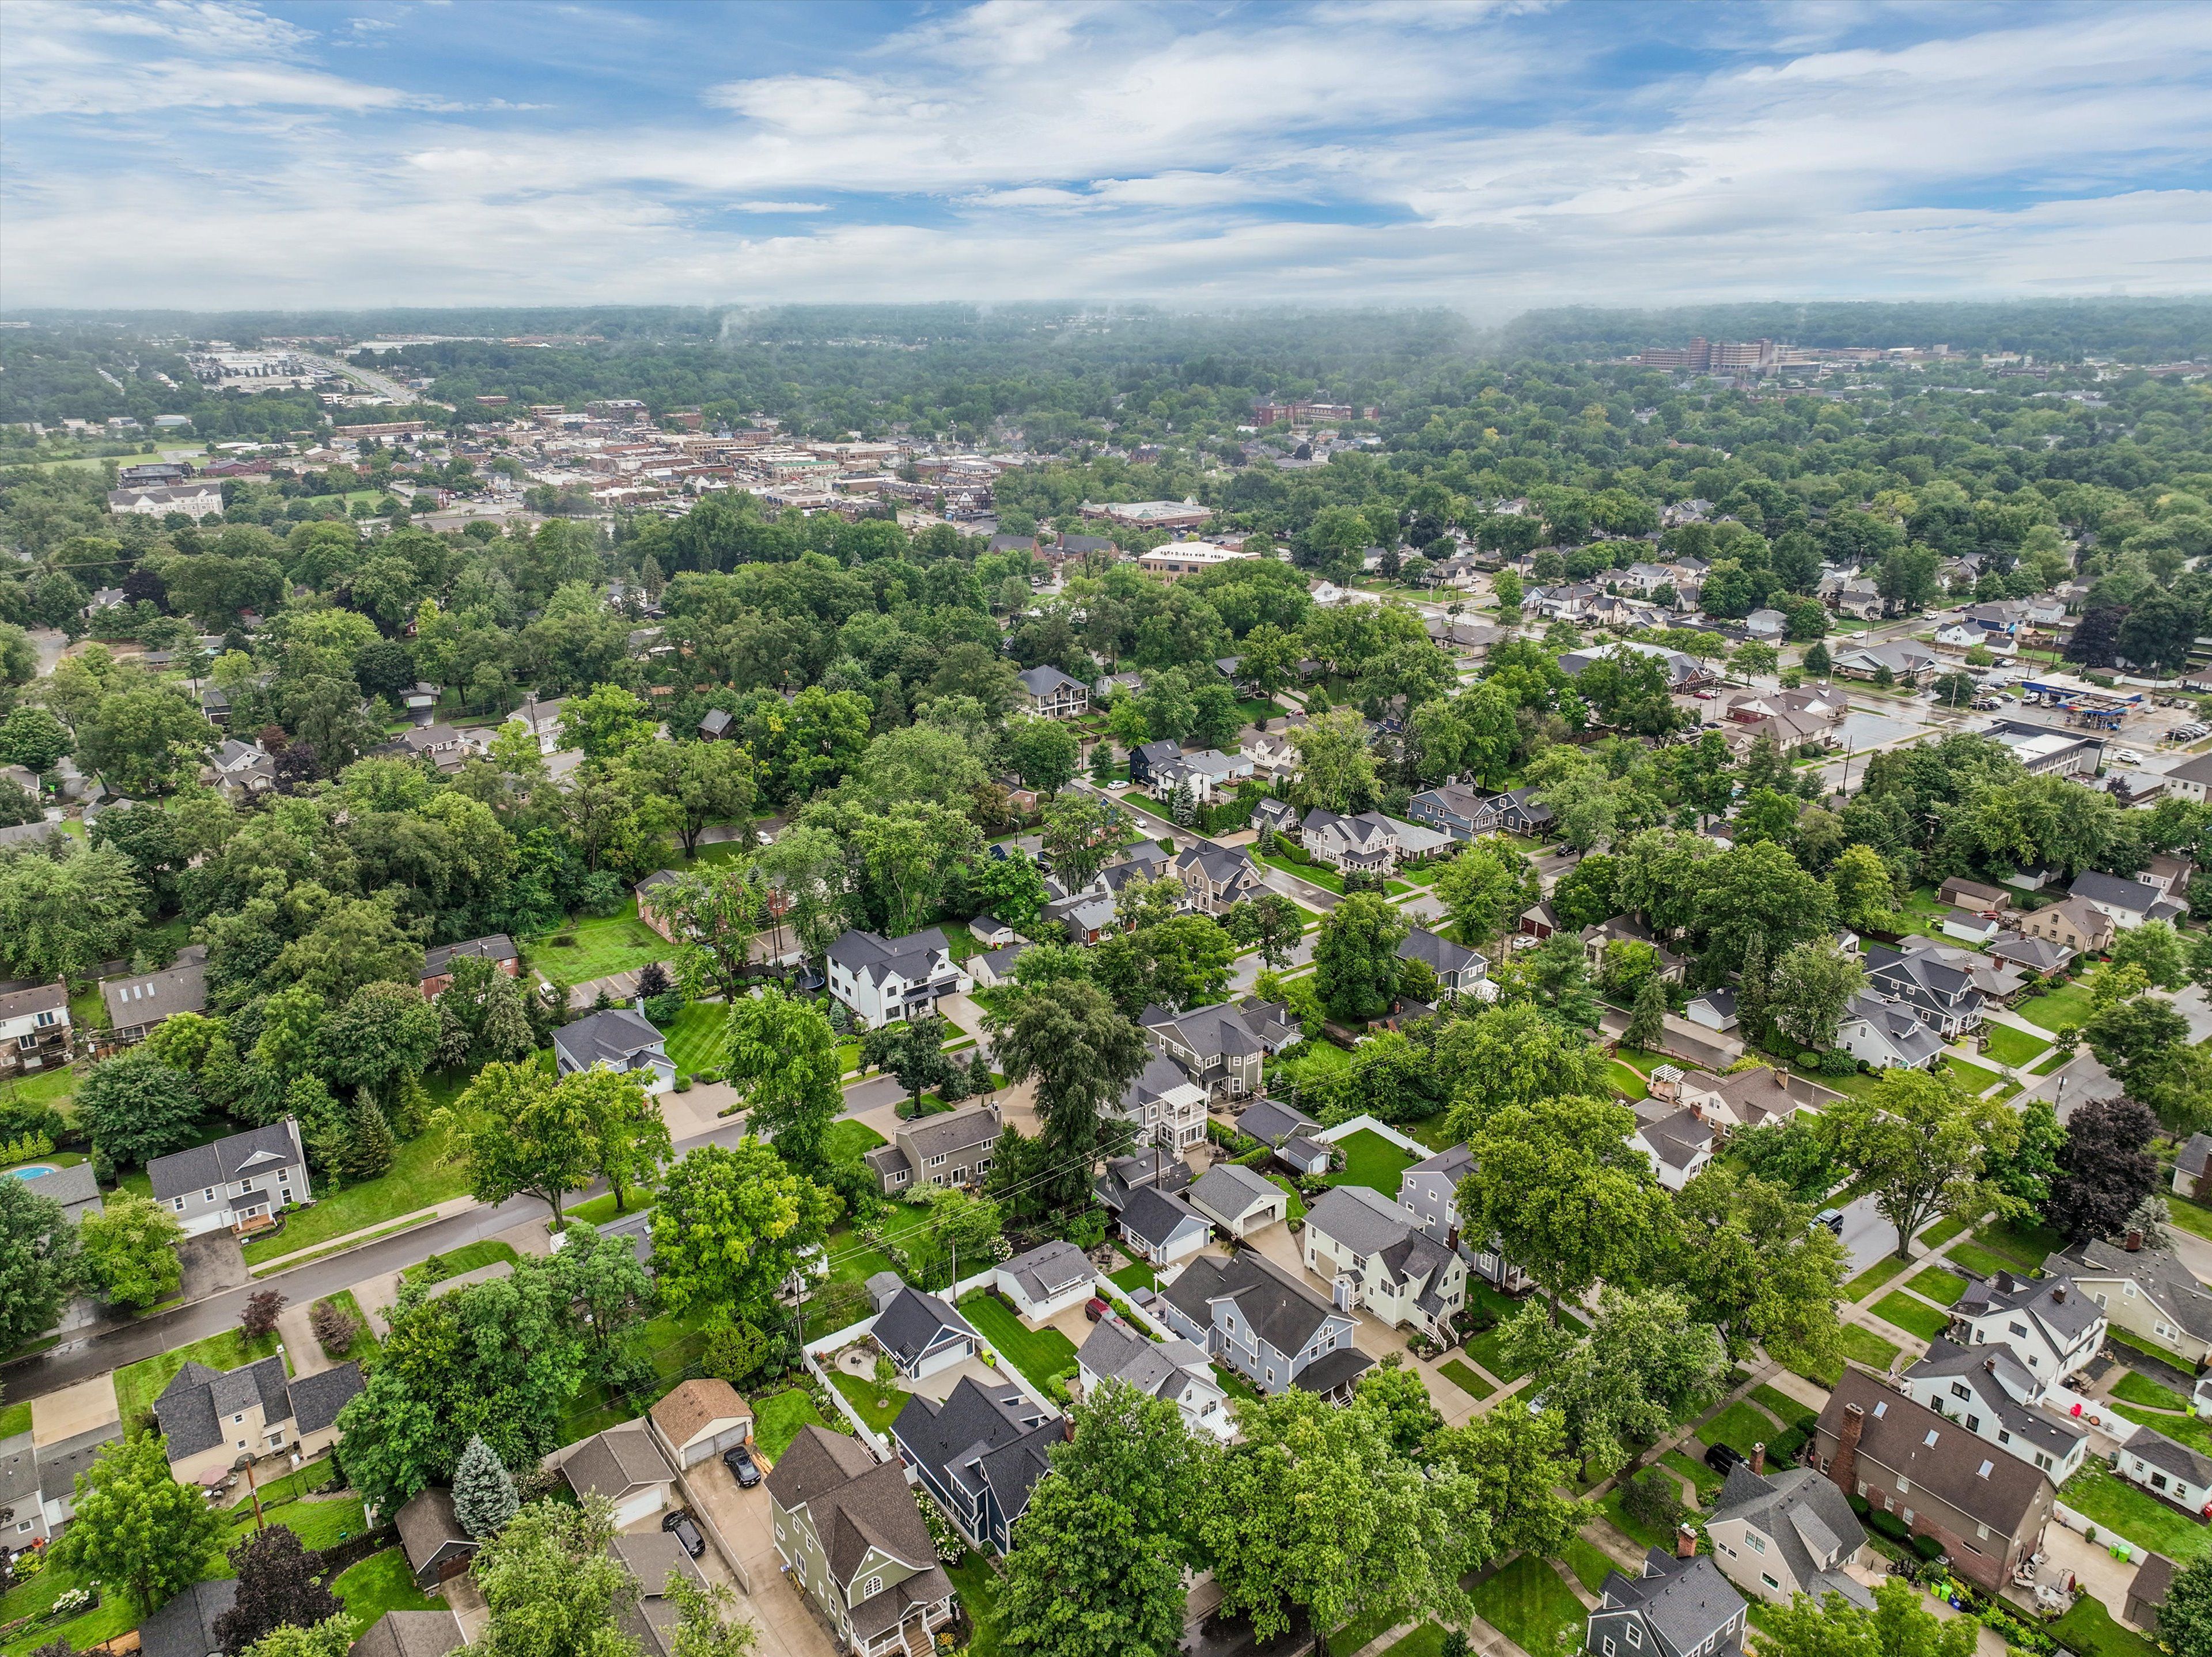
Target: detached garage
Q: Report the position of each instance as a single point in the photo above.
(701, 1419)
(626, 1466)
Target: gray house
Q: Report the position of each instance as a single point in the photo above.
(617, 1039)
(1263, 1322)
(949, 1149)
(1677, 1608)
(242, 1182)
(1238, 1200)
(980, 1453)
(1221, 1047)
(1428, 1192)
(921, 1334)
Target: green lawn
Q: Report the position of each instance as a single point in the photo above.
(1319, 874)
(420, 1178)
(847, 1140)
(1873, 1278)
(1372, 1160)
(1462, 1376)
(776, 1420)
(14, 1418)
(1937, 1284)
(2089, 1630)
(2112, 1504)
(863, 1393)
(1979, 1261)
(1297, 1210)
(1976, 1078)
(365, 1345)
(595, 948)
(1430, 1131)
(2044, 1068)
(1234, 1384)
(1784, 1408)
(381, 1582)
(1860, 1346)
(1916, 1316)
(1703, 1479)
(2010, 1045)
(1626, 1079)
(2131, 1387)
(1611, 1506)
(2067, 1004)
(1040, 1354)
(978, 1587)
(1590, 1564)
(320, 1521)
(1740, 1426)
(599, 1210)
(695, 1039)
(1426, 1641)
(2026, 1245)
(485, 1251)
(1942, 1232)
(2191, 1431)
(2189, 1217)
(138, 1385)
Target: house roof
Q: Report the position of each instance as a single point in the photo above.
(614, 1037)
(873, 957)
(496, 946)
(1167, 1369)
(1232, 1030)
(1051, 1268)
(696, 1404)
(952, 1131)
(410, 1634)
(2161, 1452)
(1937, 1455)
(149, 998)
(1271, 1121)
(427, 1524)
(1047, 680)
(1802, 1513)
(256, 1150)
(317, 1398)
(1219, 863)
(1440, 954)
(2038, 955)
(1283, 1311)
(980, 1437)
(2192, 1157)
(617, 1462)
(855, 1503)
(1154, 1217)
(1233, 1192)
(1362, 1219)
(1677, 1139)
(191, 1406)
(1999, 1379)
(913, 1322)
(1333, 1369)
(2065, 1313)
(185, 1626)
(75, 1187)
(1453, 1162)
(1685, 1602)
(2134, 896)
(2154, 1271)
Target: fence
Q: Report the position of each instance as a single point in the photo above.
(1354, 1125)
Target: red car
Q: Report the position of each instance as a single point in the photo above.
(1094, 1308)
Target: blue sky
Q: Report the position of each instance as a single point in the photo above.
(207, 153)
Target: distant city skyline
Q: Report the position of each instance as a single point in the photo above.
(206, 153)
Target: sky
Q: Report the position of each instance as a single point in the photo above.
(216, 154)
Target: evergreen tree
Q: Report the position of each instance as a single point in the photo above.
(370, 1147)
(1751, 995)
(1646, 1019)
(483, 1494)
(979, 1074)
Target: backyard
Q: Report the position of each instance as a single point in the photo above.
(596, 948)
(1372, 1160)
(2113, 1505)
(776, 1420)
(1039, 1354)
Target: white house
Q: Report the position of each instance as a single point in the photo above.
(1162, 1227)
(884, 978)
(2049, 1324)
(1373, 1254)
(1176, 1369)
(1238, 1200)
(2174, 1471)
(1887, 1036)
(34, 1027)
(1047, 1280)
(243, 1181)
(1995, 1397)
(1677, 1141)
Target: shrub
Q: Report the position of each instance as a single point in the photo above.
(1653, 1498)
(1926, 1547)
(333, 1326)
(259, 1316)
(665, 1008)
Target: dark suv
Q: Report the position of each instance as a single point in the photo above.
(678, 1524)
(1721, 1458)
(740, 1461)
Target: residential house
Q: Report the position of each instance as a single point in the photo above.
(196, 501)
(34, 1026)
(619, 1040)
(979, 1454)
(1747, 1098)
(2076, 925)
(1278, 815)
(1218, 876)
(1050, 694)
(1909, 662)
(996, 968)
(882, 979)
(1996, 978)
(1249, 1313)
(2146, 1291)
(1790, 733)
(2173, 1471)
(1162, 1227)
(1165, 1106)
(1678, 1144)
(990, 932)
(1540, 921)
(212, 1418)
(922, 1334)
(1677, 1608)
(2192, 779)
(1221, 1047)
(1428, 1192)
(1626, 929)
(1985, 1508)
(2171, 872)
(442, 746)
(1366, 844)
(1987, 1390)
(2038, 955)
(626, 1466)
(849, 1534)
(1812, 704)
(2049, 1324)
(242, 1180)
(1766, 625)
(715, 725)
(1684, 672)
(2128, 902)
(1940, 995)
(1458, 969)
(410, 1634)
(651, 1557)
(437, 1548)
(1046, 1279)
(1374, 1255)
(1467, 813)
(1887, 1036)
(1787, 1532)
(75, 1188)
(1290, 1133)
(1969, 927)
(1715, 1010)
(137, 1004)
(185, 1625)
(1858, 597)
(437, 973)
(1147, 758)
(1238, 1200)
(2189, 1168)
(241, 770)
(1151, 1168)
(952, 1148)
(699, 1419)
(1173, 1369)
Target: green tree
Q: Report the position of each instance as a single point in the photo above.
(1336, 767)
(1044, 753)
(1918, 1140)
(516, 1129)
(714, 912)
(1569, 1199)
(146, 741)
(277, 1588)
(1898, 1626)
(2158, 950)
(1811, 989)
(357, 941)
(2184, 1621)
(554, 1586)
(1865, 890)
(1081, 1054)
(1752, 1264)
(38, 1262)
(483, 1493)
(332, 1637)
(911, 1049)
(2144, 1042)
(1483, 888)
(627, 1136)
(709, 1622)
(131, 1250)
(383, 1035)
(1512, 1054)
(708, 782)
(33, 738)
(1356, 956)
(1519, 1465)
(1643, 1361)
(1270, 922)
(137, 1108)
(1078, 832)
(783, 1061)
(1010, 887)
(605, 722)
(61, 917)
(731, 1225)
(1647, 1017)
(136, 1529)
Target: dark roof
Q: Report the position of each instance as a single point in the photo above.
(149, 998)
(951, 1131)
(185, 1626)
(2159, 1451)
(913, 1322)
(75, 1187)
(1974, 1476)
(410, 1634)
(2154, 1271)
(980, 1438)
(1154, 1217)
(1801, 1509)
(1999, 1379)
(1685, 1602)
(317, 1398)
(1441, 955)
(2052, 1302)
(612, 1036)
(1333, 1369)
(855, 1503)
(2193, 1155)
(427, 1524)
(498, 946)
(191, 1406)
(256, 1150)
(1050, 1269)
(874, 957)
(1279, 1309)
(616, 1460)
(2102, 887)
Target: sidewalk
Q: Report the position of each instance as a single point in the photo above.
(444, 1211)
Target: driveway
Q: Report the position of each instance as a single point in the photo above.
(789, 1628)
(213, 1262)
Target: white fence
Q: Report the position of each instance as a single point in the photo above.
(1354, 1125)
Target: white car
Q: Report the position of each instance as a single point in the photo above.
(2127, 757)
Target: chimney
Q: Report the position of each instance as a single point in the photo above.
(1990, 1363)
(2135, 1242)
(2058, 1296)
(1844, 1469)
(1759, 1458)
(1685, 1542)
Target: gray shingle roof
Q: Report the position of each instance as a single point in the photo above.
(185, 1626)
(2102, 888)
(494, 946)
(1997, 1378)
(855, 1503)
(1686, 1601)
(980, 1437)
(2154, 1271)
(257, 1150)
(1281, 1310)
(75, 1188)
(953, 1131)
(1271, 1121)
(410, 1634)
(191, 1407)
(1800, 1510)
(612, 1037)
(618, 1460)
(317, 1398)
(1115, 1352)
(2162, 1453)
(1231, 1191)
(149, 998)
(874, 957)
(1050, 1270)
(1155, 1217)
(1440, 954)
(913, 1322)
(1915, 1442)
(2052, 1300)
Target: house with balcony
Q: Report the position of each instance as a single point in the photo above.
(883, 979)
(851, 1537)
(1164, 1106)
(34, 1026)
(1050, 694)
(1221, 1047)
(243, 1181)
(979, 1454)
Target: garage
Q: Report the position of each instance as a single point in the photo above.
(625, 1466)
(699, 1420)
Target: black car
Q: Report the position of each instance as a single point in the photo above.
(678, 1523)
(1721, 1458)
(740, 1461)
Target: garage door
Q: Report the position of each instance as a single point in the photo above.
(642, 1505)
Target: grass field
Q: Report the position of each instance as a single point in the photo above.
(2132, 1388)
(2024, 1245)
(439, 1267)
(1941, 1233)
(978, 1585)
(1975, 1078)
(1297, 1210)
(1861, 1345)
(1040, 1354)
(2089, 1630)
(2009, 1045)
(1937, 1284)
(1528, 1603)
(1740, 1426)
(1784, 1408)
(1874, 1277)
(1914, 1316)
(1979, 1261)
(2049, 1066)
(776, 1420)
(862, 1393)
(138, 1385)
(1486, 1348)
(694, 1039)
(595, 947)
(1463, 1377)
(2067, 1004)
(1626, 1079)
(1703, 1479)
(1372, 1160)
(2113, 1504)
(2193, 1218)
(847, 1140)
(2183, 1429)
(14, 1418)
(1590, 1564)
(1134, 1275)
(1426, 1641)
(379, 1583)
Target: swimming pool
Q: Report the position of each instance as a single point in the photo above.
(31, 1171)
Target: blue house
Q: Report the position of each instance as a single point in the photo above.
(980, 1453)
(1145, 760)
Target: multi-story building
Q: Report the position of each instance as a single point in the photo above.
(1263, 1322)
(242, 1182)
(884, 978)
(850, 1535)
(34, 1026)
(2048, 1323)
(1987, 1390)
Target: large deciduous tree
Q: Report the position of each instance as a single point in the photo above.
(39, 1263)
(136, 1529)
(1622, 1381)
(1483, 888)
(277, 1585)
(1081, 1054)
(732, 1223)
(516, 1129)
(137, 1109)
(1521, 1467)
(553, 1585)
(1512, 1054)
(1356, 956)
(783, 1061)
(1918, 1140)
(60, 917)
(1752, 1264)
(714, 914)
(2106, 1168)
(1811, 989)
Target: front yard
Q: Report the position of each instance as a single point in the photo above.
(138, 1385)
(420, 1177)
(2067, 1004)
(2010, 1045)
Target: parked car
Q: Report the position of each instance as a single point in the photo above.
(1095, 1308)
(678, 1523)
(740, 1461)
(1830, 1218)
(2128, 756)
(1721, 1458)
